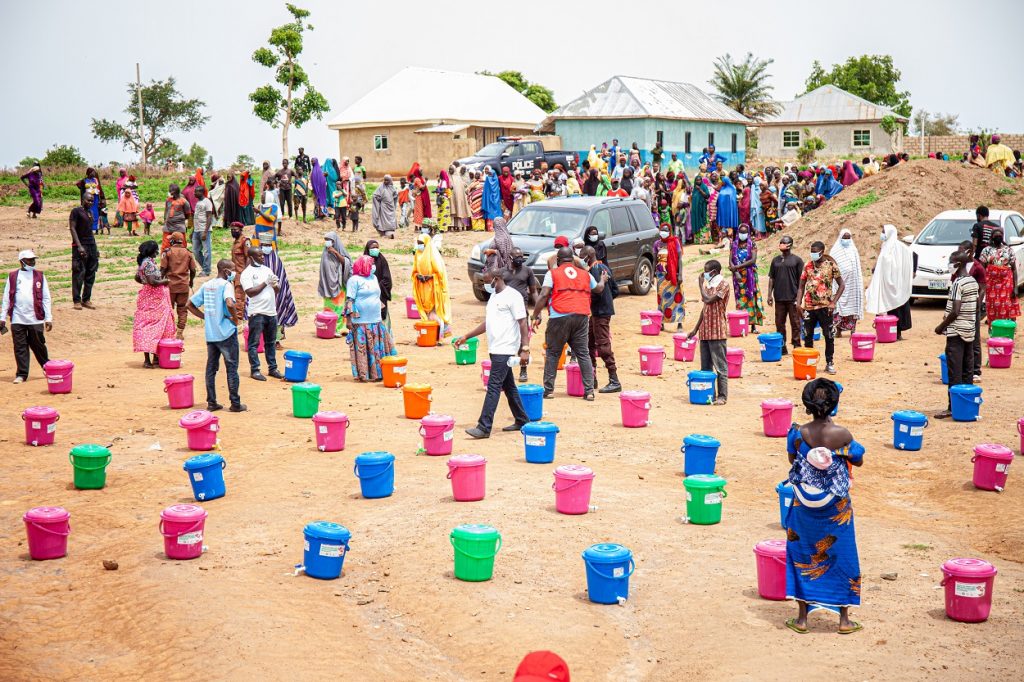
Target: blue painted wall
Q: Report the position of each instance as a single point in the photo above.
(578, 135)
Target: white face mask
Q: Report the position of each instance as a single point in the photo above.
(846, 242)
(29, 268)
(743, 236)
(266, 249)
(328, 242)
(489, 288)
(420, 247)
(884, 236)
(663, 234)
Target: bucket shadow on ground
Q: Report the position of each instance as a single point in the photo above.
(447, 499)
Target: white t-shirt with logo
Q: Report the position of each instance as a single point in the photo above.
(265, 302)
(504, 310)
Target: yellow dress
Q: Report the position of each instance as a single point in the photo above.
(432, 296)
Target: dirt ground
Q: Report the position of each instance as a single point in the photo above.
(397, 613)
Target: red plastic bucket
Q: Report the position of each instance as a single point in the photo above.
(201, 427)
(58, 375)
(260, 345)
(468, 474)
(168, 353)
(326, 324)
(651, 360)
(437, 430)
(968, 584)
(991, 466)
(650, 322)
(734, 359)
(771, 569)
(178, 388)
(182, 526)
(863, 344)
(485, 372)
(1000, 352)
(739, 322)
(48, 529)
(330, 430)
(573, 380)
(572, 488)
(40, 425)
(777, 415)
(411, 311)
(886, 326)
(685, 347)
(635, 405)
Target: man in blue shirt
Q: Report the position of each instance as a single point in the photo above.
(711, 158)
(220, 321)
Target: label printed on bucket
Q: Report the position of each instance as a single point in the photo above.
(973, 590)
(54, 379)
(51, 428)
(812, 361)
(175, 357)
(643, 358)
(916, 430)
(700, 385)
(1002, 467)
(399, 370)
(37, 425)
(287, 364)
(689, 497)
(539, 441)
(904, 428)
(322, 428)
(618, 572)
(448, 435)
(787, 501)
(892, 330)
(197, 476)
(193, 538)
(713, 498)
(333, 551)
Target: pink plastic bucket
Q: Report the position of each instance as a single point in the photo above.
(182, 526)
(326, 324)
(777, 415)
(330, 430)
(411, 311)
(485, 372)
(201, 428)
(651, 360)
(650, 322)
(40, 425)
(1000, 352)
(58, 375)
(168, 353)
(437, 430)
(468, 474)
(178, 388)
(885, 327)
(685, 347)
(260, 345)
(734, 358)
(573, 380)
(572, 488)
(48, 529)
(635, 405)
(739, 322)
(863, 344)
(771, 569)
(968, 584)
(991, 466)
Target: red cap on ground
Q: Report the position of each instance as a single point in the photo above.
(542, 666)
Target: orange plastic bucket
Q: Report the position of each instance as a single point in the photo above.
(426, 333)
(561, 360)
(805, 363)
(417, 400)
(393, 369)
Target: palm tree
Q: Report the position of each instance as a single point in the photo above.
(744, 86)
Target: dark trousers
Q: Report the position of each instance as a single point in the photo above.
(959, 361)
(228, 348)
(979, 316)
(713, 358)
(265, 326)
(285, 201)
(340, 217)
(600, 338)
(823, 318)
(83, 273)
(786, 310)
(26, 337)
(575, 331)
(501, 381)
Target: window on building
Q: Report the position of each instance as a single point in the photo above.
(734, 148)
(661, 138)
(790, 138)
(861, 138)
(711, 139)
(687, 144)
(380, 143)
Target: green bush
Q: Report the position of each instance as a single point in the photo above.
(63, 155)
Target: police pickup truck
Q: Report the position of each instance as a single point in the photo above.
(517, 155)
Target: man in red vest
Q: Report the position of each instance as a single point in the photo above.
(567, 288)
(26, 302)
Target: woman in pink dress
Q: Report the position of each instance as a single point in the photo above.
(154, 319)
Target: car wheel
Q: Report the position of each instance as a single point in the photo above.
(643, 277)
(481, 295)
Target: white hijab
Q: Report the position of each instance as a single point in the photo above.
(848, 259)
(893, 277)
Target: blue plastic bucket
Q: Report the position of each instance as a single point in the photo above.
(702, 387)
(532, 396)
(608, 569)
(785, 491)
(206, 474)
(817, 332)
(296, 365)
(835, 410)
(699, 454)
(771, 346)
(965, 402)
(325, 549)
(908, 429)
(376, 473)
(539, 440)
(944, 368)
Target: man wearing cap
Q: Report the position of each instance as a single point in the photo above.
(617, 191)
(26, 302)
(783, 284)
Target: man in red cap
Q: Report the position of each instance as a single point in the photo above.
(542, 666)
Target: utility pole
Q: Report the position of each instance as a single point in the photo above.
(142, 139)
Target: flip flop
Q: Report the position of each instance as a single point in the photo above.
(791, 624)
(857, 627)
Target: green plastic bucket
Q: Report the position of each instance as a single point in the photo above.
(475, 547)
(305, 400)
(466, 353)
(704, 495)
(90, 465)
(1003, 328)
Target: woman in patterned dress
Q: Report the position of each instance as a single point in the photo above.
(743, 265)
(369, 339)
(1000, 285)
(154, 318)
(669, 272)
(444, 194)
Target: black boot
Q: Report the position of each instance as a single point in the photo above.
(613, 384)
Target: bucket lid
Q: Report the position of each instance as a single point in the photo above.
(1005, 324)
(734, 351)
(652, 349)
(701, 440)
(327, 315)
(45, 514)
(196, 419)
(416, 388)
(994, 451)
(737, 313)
(58, 365)
(426, 323)
(576, 472)
(704, 481)
(634, 395)
(530, 389)
(607, 553)
(306, 387)
(702, 375)
(772, 548)
(864, 336)
(965, 388)
(969, 568)
(202, 461)
(327, 530)
(769, 336)
(539, 427)
(475, 531)
(885, 318)
(466, 461)
(183, 512)
(90, 450)
(39, 412)
(178, 379)
(805, 352)
(171, 343)
(909, 417)
(650, 313)
(682, 336)
(375, 457)
(297, 355)
(574, 365)
(393, 360)
(330, 416)
(437, 420)
(784, 488)
(777, 403)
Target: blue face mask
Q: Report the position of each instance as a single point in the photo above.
(374, 252)
(231, 276)
(846, 243)
(420, 247)
(708, 276)
(884, 236)
(489, 288)
(815, 255)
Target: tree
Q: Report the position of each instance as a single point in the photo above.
(873, 77)
(535, 92)
(936, 124)
(744, 87)
(812, 144)
(63, 155)
(196, 156)
(244, 161)
(163, 110)
(168, 152)
(287, 108)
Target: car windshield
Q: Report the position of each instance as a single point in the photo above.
(493, 149)
(946, 232)
(546, 222)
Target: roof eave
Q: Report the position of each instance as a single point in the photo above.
(744, 122)
(827, 122)
(432, 122)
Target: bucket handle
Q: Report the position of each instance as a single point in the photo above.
(355, 470)
(55, 419)
(52, 532)
(632, 569)
(71, 458)
(474, 556)
(571, 485)
(178, 535)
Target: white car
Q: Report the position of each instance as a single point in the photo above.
(943, 235)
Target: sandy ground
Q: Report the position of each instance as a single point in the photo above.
(397, 613)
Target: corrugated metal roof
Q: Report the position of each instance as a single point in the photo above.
(830, 104)
(630, 97)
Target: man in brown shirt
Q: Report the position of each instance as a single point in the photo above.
(179, 267)
(711, 326)
(240, 261)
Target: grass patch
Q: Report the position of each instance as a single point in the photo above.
(858, 203)
(1005, 191)
(918, 546)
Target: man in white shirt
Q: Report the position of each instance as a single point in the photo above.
(203, 216)
(507, 344)
(261, 286)
(26, 302)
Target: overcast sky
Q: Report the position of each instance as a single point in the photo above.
(74, 59)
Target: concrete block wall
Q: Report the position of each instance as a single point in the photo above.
(953, 144)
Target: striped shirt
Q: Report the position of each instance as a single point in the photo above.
(965, 290)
